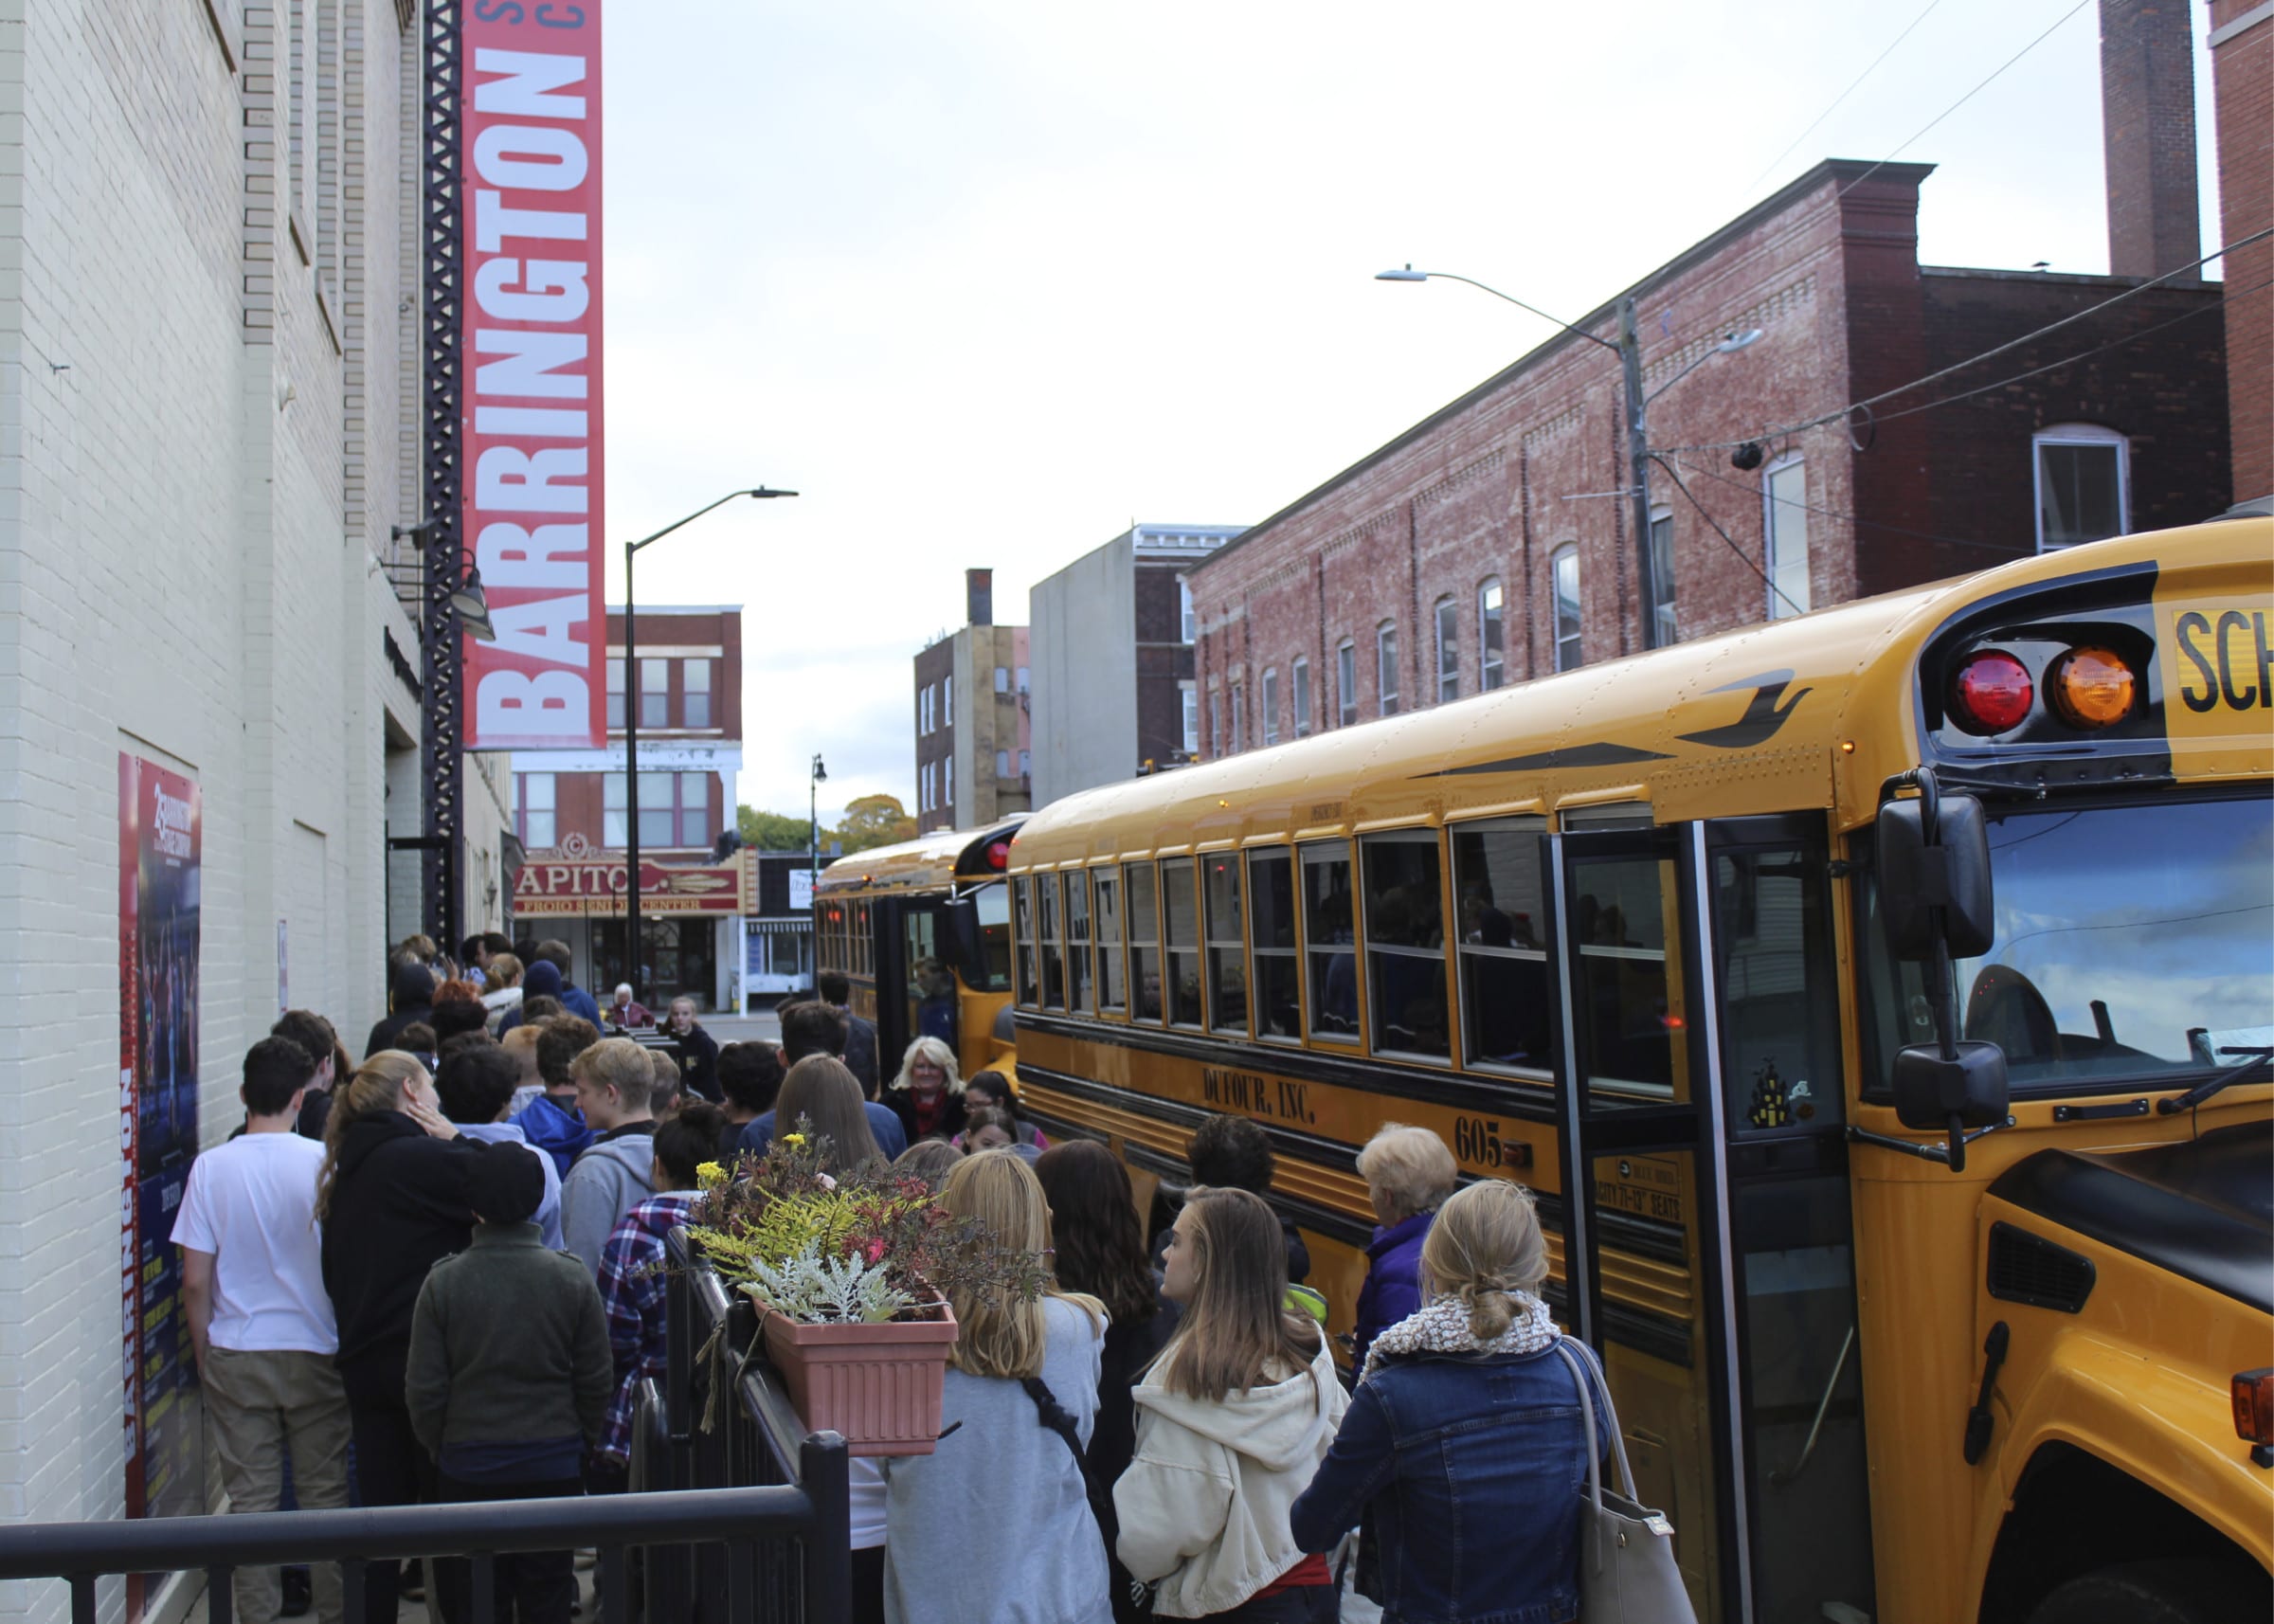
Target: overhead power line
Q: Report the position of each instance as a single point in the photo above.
(1770, 168)
(1727, 538)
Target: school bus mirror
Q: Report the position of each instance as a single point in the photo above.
(1971, 1086)
(1934, 889)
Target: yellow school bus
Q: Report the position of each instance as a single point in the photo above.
(1878, 1000)
(922, 932)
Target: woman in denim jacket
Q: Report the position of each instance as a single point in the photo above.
(1464, 1442)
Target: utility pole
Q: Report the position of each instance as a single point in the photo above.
(1638, 470)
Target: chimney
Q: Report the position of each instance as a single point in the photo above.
(979, 597)
(2148, 128)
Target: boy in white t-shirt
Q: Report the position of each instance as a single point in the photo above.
(260, 1319)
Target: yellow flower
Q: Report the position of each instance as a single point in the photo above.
(710, 1176)
(793, 1139)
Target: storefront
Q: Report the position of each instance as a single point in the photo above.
(691, 922)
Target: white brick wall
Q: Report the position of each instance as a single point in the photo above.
(199, 462)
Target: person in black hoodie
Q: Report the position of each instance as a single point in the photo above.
(413, 1005)
(395, 1196)
(1098, 1249)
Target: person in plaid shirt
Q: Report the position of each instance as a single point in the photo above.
(631, 1281)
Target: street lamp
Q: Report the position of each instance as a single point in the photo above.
(631, 726)
(1629, 351)
(813, 863)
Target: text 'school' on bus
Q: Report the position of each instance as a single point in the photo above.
(922, 932)
(1879, 1002)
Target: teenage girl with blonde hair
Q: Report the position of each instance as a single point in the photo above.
(996, 1524)
(1233, 1420)
(1464, 1443)
(394, 1199)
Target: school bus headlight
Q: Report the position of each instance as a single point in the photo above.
(2253, 1394)
(2093, 687)
(1991, 693)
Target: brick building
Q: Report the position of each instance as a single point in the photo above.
(210, 245)
(1490, 542)
(2242, 71)
(974, 723)
(1112, 637)
(689, 691)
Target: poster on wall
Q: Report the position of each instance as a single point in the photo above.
(158, 916)
(530, 347)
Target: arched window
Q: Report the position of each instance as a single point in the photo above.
(1491, 635)
(1386, 666)
(1564, 567)
(2083, 484)
(1448, 651)
(1345, 683)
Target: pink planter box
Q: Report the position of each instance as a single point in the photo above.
(876, 1385)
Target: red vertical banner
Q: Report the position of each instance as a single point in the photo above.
(531, 357)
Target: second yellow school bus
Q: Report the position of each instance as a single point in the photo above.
(1624, 934)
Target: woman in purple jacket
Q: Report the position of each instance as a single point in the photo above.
(1409, 1173)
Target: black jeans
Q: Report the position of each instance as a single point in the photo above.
(392, 1467)
(530, 1587)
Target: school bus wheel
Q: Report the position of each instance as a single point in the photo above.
(2176, 1590)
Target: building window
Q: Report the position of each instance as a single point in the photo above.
(1184, 619)
(1002, 764)
(2084, 485)
(1302, 697)
(1270, 707)
(1026, 763)
(694, 809)
(615, 696)
(1491, 636)
(695, 694)
(948, 702)
(1784, 534)
(947, 785)
(1565, 567)
(1663, 633)
(534, 822)
(1215, 724)
(1003, 680)
(655, 692)
(1192, 718)
(1239, 715)
(1023, 681)
(659, 809)
(1448, 651)
(1386, 666)
(1345, 683)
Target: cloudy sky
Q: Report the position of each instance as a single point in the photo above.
(988, 282)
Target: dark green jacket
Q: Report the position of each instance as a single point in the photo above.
(508, 1343)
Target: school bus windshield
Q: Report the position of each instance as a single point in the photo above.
(2133, 942)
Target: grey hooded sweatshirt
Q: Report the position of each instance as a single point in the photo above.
(606, 1181)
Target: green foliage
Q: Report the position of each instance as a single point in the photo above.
(772, 831)
(875, 821)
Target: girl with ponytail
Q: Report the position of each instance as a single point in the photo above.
(393, 1198)
(1464, 1444)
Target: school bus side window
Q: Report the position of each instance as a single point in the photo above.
(1227, 959)
(1330, 955)
(1179, 907)
(1080, 991)
(1105, 885)
(1271, 928)
(1503, 953)
(1024, 891)
(1145, 940)
(1405, 943)
(1053, 971)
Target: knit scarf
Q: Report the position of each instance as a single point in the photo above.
(1441, 1325)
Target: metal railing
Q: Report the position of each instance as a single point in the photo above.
(748, 1521)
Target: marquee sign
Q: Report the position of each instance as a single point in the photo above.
(588, 885)
(530, 349)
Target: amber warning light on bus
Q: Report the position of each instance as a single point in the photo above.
(2092, 687)
(2253, 1392)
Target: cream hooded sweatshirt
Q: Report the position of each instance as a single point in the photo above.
(1203, 1506)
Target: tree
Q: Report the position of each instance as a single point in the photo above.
(772, 831)
(875, 821)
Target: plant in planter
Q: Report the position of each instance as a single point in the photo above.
(849, 1274)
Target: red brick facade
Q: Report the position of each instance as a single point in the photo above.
(1499, 482)
(2242, 69)
(2148, 129)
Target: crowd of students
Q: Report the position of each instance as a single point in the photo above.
(443, 1266)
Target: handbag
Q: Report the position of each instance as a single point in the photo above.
(1627, 1569)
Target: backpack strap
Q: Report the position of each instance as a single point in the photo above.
(1055, 1417)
